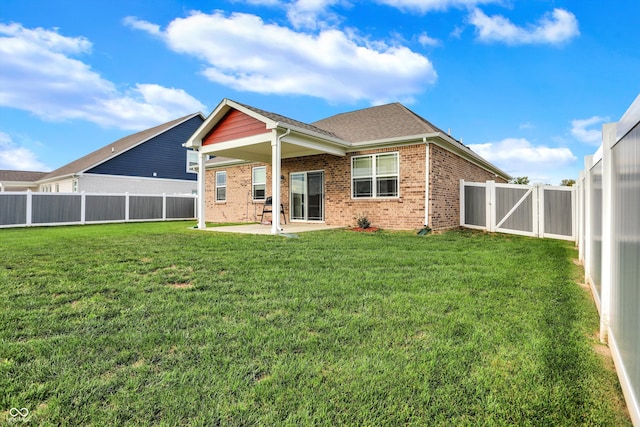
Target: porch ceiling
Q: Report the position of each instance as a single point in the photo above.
(260, 151)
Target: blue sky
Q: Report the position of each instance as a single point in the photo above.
(526, 84)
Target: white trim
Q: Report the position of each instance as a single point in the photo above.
(625, 382)
(217, 186)
(306, 213)
(191, 169)
(374, 176)
(235, 143)
(606, 270)
(254, 183)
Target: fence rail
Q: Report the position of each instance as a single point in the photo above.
(609, 245)
(529, 210)
(27, 209)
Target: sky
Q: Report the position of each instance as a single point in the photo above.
(527, 84)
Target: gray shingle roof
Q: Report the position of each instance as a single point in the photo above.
(21, 176)
(375, 123)
(114, 148)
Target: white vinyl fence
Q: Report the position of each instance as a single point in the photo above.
(609, 245)
(528, 210)
(26, 209)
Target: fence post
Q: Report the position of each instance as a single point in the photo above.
(462, 202)
(608, 139)
(537, 198)
(491, 207)
(83, 207)
(126, 207)
(29, 208)
(164, 206)
(574, 211)
(588, 163)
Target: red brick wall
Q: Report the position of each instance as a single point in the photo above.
(446, 171)
(403, 213)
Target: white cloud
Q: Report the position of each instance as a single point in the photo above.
(527, 125)
(243, 52)
(554, 28)
(590, 136)
(14, 157)
(518, 157)
(133, 22)
(38, 74)
(426, 40)
(311, 13)
(424, 6)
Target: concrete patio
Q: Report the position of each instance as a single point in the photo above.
(291, 228)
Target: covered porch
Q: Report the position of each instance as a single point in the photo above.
(236, 131)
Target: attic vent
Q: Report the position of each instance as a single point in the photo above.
(113, 149)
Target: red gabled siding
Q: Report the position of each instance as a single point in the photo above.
(234, 125)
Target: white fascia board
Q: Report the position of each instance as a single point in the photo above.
(59, 178)
(236, 143)
(315, 144)
(404, 140)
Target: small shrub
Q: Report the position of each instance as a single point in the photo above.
(363, 221)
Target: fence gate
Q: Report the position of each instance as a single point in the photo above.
(528, 210)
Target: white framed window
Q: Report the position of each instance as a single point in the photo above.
(259, 182)
(221, 186)
(74, 186)
(192, 161)
(375, 176)
(57, 188)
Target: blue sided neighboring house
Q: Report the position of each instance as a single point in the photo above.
(152, 161)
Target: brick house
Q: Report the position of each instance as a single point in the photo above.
(385, 162)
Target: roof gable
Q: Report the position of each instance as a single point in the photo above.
(233, 125)
(270, 120)
(114, 149)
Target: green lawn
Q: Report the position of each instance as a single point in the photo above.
(144, 324)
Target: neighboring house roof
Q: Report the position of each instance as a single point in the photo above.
(21, 176)
(114, 149)
(375, 123)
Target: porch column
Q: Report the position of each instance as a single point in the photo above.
(200, 190)
(275, 182)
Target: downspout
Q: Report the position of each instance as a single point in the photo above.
(276, 158)
(426, 182)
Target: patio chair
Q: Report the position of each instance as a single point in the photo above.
(268, 208)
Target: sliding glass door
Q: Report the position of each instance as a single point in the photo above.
(307, 196)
